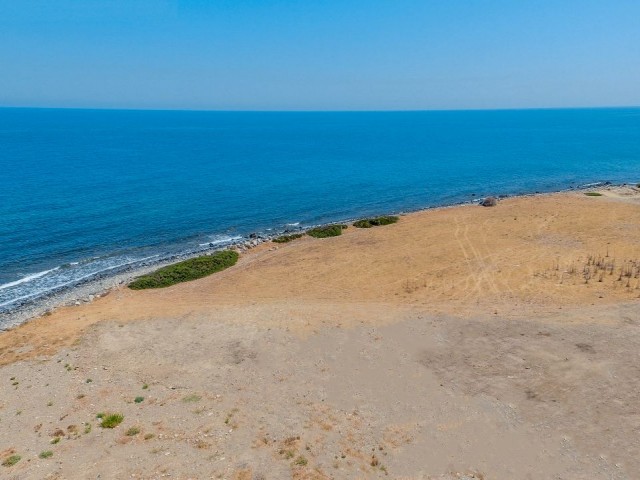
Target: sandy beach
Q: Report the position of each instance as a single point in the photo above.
(462, 342)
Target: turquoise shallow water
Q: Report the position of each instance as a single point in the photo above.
(87, 192)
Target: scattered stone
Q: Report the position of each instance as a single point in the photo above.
(489, 202)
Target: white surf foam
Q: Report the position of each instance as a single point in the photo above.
(28, 278)
(219, 241)
(72, 281)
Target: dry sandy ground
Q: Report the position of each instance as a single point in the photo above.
(468, 342)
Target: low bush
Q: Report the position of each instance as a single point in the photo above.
(187, 270)
(326, 231)
(287, 238)
(111, 420)
(11, 461)
(593, 194)
(376, 221)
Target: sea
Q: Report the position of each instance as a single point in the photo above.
(89, 193)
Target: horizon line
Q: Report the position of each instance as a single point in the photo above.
(416, 110)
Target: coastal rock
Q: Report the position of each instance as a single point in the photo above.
(489, 202)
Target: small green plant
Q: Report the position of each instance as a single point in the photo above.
(326, 231)
(88, 380)
(192, 398)
(376, 221)
(87, 428)
(49, 404)
(132, 432)
(593, 194)
(145, 386)
(100, 415)
(149, 436)
(46, 454)
(11, 461)
(55, 440)
(111, 420)
(187, 270)
(301, 461)
(289, 454)
(287, 238)
(139, 399)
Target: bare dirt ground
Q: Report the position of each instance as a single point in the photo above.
(468, 342)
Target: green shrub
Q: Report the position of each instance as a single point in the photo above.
(326, 231)
(133, 431)
(11, 461)
(192, 398)
(287, 238)
(191, 269)
(111, 420)
(376, 221)
(139, 399)
(593, 194)
(46, 454)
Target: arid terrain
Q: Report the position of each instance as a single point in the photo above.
(459, 343)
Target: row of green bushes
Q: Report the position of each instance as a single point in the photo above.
(199, 267)
(335, 230)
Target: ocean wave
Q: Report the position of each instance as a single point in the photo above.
(220, 241)
(74, 280)
(28, 278)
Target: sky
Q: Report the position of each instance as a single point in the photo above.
(319, 55)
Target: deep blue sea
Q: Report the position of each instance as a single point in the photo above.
(87, 191)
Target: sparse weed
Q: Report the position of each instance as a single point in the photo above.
(192, 398)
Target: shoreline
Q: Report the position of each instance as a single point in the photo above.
(489, 338)
(101, 283)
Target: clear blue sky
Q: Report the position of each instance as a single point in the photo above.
(319, 55)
